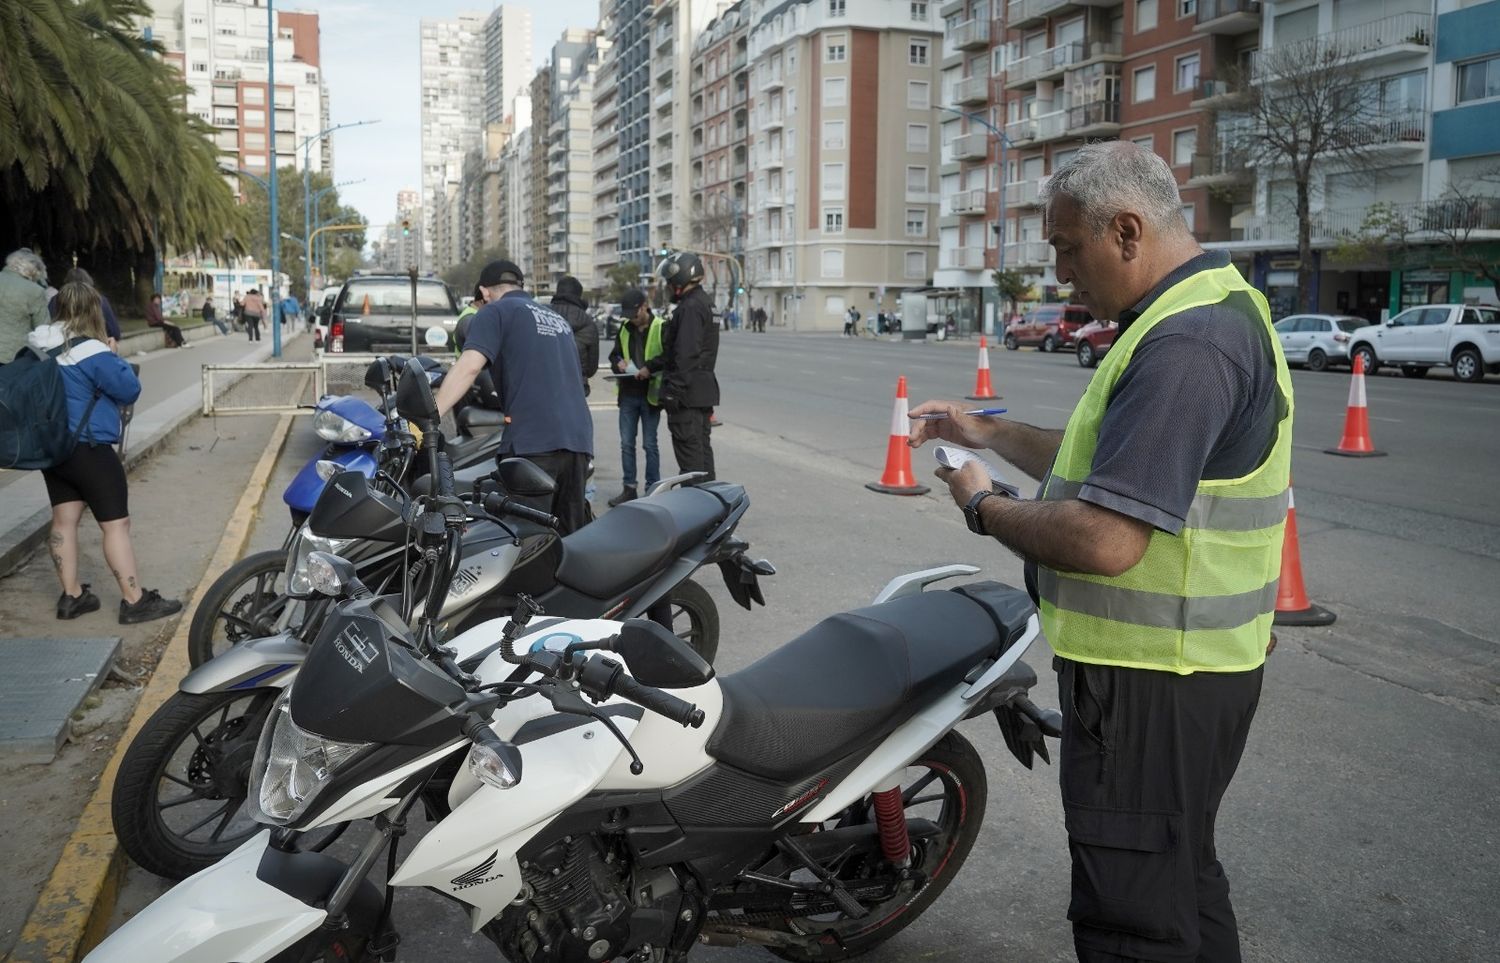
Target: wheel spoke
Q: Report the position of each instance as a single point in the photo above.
(180, 781)
(918, 786)
(172, 804)
(229, 806)
(224, 716)
(939, 797)
(223, 824)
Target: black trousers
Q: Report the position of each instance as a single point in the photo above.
(569, 470)
(690, 441)
(1146, 757)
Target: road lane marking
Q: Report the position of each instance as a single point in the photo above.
(1394, 421)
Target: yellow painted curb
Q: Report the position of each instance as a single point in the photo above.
(74, 907)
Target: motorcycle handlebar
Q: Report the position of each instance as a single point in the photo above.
(498, 504)
(603, 677)
(445, 483)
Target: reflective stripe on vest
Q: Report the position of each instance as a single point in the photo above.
(1201, 600)
(653, 350)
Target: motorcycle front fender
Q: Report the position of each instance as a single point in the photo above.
(225, 912)
(270, 662)
(302, 494)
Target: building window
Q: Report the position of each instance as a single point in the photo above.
(1478, 80)
(916, 180)
(200, 68)
(833, 220)
(833, 182)
(918, 95)
(1145, 15)
(833, 135)
(917, 138)
(1144, 86)
(835, 8)
(255, 95)
(1145, 143)
(1186, 8)
(916, 265)
(1187, 72)
(835, 91)
(837, 51)
(1184, 146)
(916, 52)
(255, 141)
(255, 118)
(833, 263)
(919, 11)
(916, 222)
(1189, 214)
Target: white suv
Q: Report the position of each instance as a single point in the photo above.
(1466, 336)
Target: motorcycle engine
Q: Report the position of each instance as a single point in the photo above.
(576, 909)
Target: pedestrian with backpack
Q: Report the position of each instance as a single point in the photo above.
(97, 382)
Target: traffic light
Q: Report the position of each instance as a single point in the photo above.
(663, 251)
(405, 227)
(740, 289)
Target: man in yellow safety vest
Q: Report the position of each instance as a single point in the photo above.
(638, 355)
(1153, 551)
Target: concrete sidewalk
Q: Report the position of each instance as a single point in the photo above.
(171, 394)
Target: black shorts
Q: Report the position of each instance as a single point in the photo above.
(93, 475)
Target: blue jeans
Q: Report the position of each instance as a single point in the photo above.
(634, 411)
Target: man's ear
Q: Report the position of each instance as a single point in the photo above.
(1128, 230)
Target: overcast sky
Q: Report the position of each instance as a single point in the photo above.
(370, 64)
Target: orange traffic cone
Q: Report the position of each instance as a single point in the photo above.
(898, 479)
(983, 390)
(366, 309)
(1292, 605)
(1356, 442)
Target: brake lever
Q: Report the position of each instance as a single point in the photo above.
(568, 701)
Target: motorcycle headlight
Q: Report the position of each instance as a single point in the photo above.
(292, 766)
(334, 427)
(299, 577)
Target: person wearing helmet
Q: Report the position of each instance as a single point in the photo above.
(689, 389)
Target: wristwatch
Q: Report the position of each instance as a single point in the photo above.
(971, 512)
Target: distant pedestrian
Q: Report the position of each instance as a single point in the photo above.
(237, 312)
(97, 383)
(212, 317)
(155, 319)
(638, 351)
(291, 312)
(23, 301)
(689, 388)
(851, 320)
(569, 302)
(253, 310)
(111, 323)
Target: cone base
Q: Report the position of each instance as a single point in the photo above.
(1353, 453)
(982, 397)
(1312, 615)
(897, 489)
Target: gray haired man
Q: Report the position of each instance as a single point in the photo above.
(1152, 550)
(23, 301)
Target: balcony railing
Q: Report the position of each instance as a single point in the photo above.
(1031, 253)
(963, 258)
(972, 90)
(1020, 13)
(771, 80)
(1392, 35)
(965, 202)
(971, 146)
(1038, 128)
(1227, 162)
(1099, 113)
(971, 34)
(1228, 16)
(1472, 218)
(1024, 193)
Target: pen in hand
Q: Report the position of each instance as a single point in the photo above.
(943, 415)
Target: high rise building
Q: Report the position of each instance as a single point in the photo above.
(221, 48)
(606, 151)
(720, 148)
(844, 156)
(507, 59)
(630, 36)
(515, 168)
(452, 53)
(534, 256)
(569, 182)
(675, 27)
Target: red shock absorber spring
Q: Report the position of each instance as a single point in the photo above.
(890, 819)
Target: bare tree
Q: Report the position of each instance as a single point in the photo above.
(714, 229)
(1306, 105)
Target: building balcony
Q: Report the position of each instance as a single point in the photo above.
(1096, 119)
(1392, 132)
(1225, 167)
(1052, 62)
(1211, 94)
(1398, 36)
(663, 100)
(773, 159)
(1029, 254)
(771, 120)
(1027, 13)
(738, 169)
(1228, 17)
(963, 258)
(974, 146)
(772, 80)
(1024, 193)
(972, 90)
(1042, 127)
(666, 35)
(971, 35)
(603, 138)
(770, 198)
(965, 202)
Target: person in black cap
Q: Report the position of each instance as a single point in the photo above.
(529, 349)
(638, 351)
(568, 302)
(689, 389)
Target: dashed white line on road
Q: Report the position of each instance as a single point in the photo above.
(1394, 421)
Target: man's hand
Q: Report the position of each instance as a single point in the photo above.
(620, 366)
(958, 428)
(964, 483)
(642, 374)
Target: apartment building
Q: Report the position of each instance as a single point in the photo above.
(399, 251)
(675, 27)
(627, 24)
(452, 78)
(605, 146)
(569, 174)
(844, 156)
(515, 170)
(720, 150)
(222, 49)
(533, 257)
(507, 59)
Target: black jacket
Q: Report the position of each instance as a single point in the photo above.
(585, 331)
(691, 350)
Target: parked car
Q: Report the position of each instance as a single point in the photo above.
(1048, 327)
(1317, 340)
(375, 309)
(1094, 341)
(1465, 336)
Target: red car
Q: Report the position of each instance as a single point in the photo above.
(1094, 340)
(1049, 327)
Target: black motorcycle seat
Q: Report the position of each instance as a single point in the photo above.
(471, 417)
(853, 678)
(628, 543)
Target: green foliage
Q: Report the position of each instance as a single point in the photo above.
(462, 277)
(622, 277)
(1012, 284)
(256, 235)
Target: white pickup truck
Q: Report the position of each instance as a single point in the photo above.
(1465, 336)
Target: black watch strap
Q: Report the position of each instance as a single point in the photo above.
(971, 512)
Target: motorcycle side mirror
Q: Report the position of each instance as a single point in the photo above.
(414, 398)
(378, 374)
(524, 479)
(658, 658)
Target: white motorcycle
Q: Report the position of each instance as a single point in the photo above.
(814, 803)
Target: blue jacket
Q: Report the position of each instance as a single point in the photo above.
(89, 367)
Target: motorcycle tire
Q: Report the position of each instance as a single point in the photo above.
(695, 618)
(196, 743)
(955, 763)
(242, 604)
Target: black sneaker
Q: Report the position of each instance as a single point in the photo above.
(150, 606)
(72, 606)
(628, 495)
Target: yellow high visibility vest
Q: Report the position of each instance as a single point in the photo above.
(1201, 600)
(653, 351)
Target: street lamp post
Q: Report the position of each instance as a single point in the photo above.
(271, 184)
(307, 228)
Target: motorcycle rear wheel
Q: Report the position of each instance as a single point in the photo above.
(695, 618)
(244, 603)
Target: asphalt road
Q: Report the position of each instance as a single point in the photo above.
(1362, 824)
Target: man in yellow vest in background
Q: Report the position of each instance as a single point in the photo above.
(637, 353)
(1153, 551)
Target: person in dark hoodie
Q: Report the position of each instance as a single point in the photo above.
(568, 302)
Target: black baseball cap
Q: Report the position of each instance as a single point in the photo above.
(500, 272)
(631, 301)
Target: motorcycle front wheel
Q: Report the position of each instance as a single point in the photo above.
(247, 602)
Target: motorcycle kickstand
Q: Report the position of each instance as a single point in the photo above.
(830, 887)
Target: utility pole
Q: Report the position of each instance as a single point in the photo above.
(272, 190)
